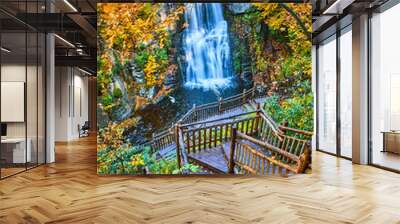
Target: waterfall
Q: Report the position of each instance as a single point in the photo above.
(206, 47)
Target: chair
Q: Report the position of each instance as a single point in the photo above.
(84, 130)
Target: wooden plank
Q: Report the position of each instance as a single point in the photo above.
(211, 158)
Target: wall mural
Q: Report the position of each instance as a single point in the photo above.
(204, 88)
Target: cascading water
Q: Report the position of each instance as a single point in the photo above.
(206, 47)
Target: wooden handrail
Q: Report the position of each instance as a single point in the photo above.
(269, 146)
(302, 132)
(218, 107)
(219, 119)
(276, 130)
(271, 160)
(220, 124)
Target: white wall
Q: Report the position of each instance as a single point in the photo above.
(71, 102)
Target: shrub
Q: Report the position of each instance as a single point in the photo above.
(297, 110)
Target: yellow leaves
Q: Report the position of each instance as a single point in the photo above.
(124, 29)
(137, 160)
(150, 70)
(112, 135)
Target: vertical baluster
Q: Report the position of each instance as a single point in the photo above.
(220, 133)
(251, 128)
(187, 141)
(238, 152)
(214, 136)
(204, 138)
(246, 157)
(193, 141)
(227, 132)
(197, 140)
(253, 160)
(247, 126)
(209, 137)
(294, 147)
(200, 144)
(301, 148)
(263, 166)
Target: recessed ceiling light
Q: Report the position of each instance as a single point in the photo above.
(84, 71)
(5, 50)
(64, 40)
(70, 5)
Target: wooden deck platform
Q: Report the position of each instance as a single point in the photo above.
(214, 159)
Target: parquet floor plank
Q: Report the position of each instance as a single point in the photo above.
(69, 191)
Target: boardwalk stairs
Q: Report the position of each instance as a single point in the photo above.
(236, 136)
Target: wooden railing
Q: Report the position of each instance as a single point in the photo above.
(296, 132)
(249, 156)
(159, 141)
(201, 113)
(223, 105)
(260, 146)
(268, 150)
(197, 138)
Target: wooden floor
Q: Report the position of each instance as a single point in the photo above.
(69, 191)
(386, 159)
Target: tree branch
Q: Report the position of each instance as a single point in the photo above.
(297, 18)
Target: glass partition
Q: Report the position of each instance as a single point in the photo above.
(346, 92)
(22, 101)
(327, 95)
(385, 89)
(14, 153)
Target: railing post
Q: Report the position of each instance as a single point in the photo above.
(232, 150)
(178, 155)
(244, 96)
(258, 111)
(220, 104)
(285, 123)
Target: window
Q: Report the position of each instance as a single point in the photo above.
(327, 95)
(346, 92)
(385, 89)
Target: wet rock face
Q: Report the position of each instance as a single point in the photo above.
(238, 8)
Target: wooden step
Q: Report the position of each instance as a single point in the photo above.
(167, 153)
(213, 159)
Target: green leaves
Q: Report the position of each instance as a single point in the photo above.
(141, 59)
(298, 110)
